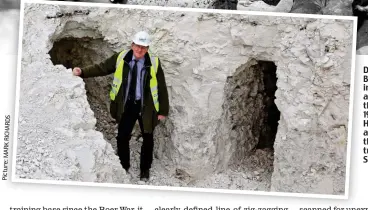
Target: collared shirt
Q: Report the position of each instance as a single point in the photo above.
(139, 85)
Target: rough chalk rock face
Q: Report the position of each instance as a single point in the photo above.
(56, 138)
(216, 94)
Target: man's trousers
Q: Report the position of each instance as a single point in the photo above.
(130, 116)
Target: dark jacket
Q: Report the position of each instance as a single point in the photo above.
(149, 114)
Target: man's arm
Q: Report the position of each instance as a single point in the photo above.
(163, 96)
(102, 69)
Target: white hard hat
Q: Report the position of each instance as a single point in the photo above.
(142, 38)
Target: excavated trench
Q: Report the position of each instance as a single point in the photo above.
(249, 106)
(251, 111)
(80, 52)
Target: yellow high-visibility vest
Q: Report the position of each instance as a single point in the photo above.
(118, 78)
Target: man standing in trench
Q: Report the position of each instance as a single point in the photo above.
(138, 92)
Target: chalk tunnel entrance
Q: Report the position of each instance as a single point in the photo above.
(251, 111)
(79, 52)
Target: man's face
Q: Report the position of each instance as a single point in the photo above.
(139, 51)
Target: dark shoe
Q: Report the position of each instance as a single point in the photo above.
(118, 1)
(144, 175)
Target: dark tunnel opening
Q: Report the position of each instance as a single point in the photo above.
(269, 130)
(250, 109)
